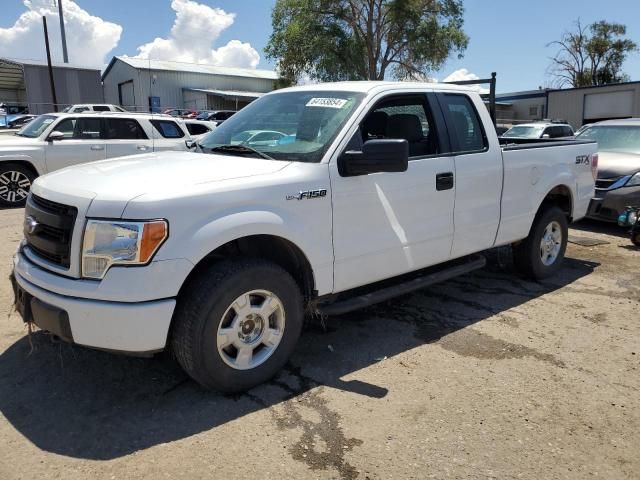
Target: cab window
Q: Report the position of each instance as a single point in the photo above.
(465, 127)
(406, 117)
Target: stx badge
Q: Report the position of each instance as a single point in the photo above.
(322, 192)
(582, 159)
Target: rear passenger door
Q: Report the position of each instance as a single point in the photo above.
(387, 224)
(125, 136)
(478, 173)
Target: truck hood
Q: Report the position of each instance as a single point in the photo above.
(617, 164)
(114, 182)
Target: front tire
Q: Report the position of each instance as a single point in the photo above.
(15, 183)
(541, 254)
(237, 324)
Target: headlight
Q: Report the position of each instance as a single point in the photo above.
(634, 181)
(108, 243)
(632, 218)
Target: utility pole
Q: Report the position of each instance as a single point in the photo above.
(65, 57)
(53, 85)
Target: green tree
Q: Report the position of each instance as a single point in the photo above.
(331, 40)
(591, 55)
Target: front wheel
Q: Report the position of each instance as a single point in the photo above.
(15, 183)
(540, 255)
(236, 324)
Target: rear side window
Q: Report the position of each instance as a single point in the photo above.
(197, 128)
(167, 128)
(124, 129)
(567, 131)
(464, 124)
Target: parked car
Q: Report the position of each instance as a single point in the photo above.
(58, 140)
(618, 182)
(630, 217)
(538, 130)
(87, 107)
(19, 121)
(500, 130)
(198, 128)
(217, 116)
(257, 138)
(218, 256)
(181, 113)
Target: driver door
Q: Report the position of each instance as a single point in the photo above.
(387, 224)
(82, 143)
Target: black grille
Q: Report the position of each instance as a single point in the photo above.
(51, 236)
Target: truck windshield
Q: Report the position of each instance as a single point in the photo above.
(523, 132)
(295, 126)
(614, 138)
(36, 126)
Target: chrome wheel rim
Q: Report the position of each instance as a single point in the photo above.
(251, 329)
(14, 186)
(551, 243)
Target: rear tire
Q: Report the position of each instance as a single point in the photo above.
(15, 183)
(236, 324)
(541, 254)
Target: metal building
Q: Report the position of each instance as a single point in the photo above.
(142, 85)
(584, 105)
(25, 83)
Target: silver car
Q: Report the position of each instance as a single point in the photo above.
(618, 182)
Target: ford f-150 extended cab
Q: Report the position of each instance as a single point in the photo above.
(374, 189)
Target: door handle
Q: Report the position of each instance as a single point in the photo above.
(97, 147)
(444, 181)
(142, 147)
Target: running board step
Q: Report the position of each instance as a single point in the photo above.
(338, 304)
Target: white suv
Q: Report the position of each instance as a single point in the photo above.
(58, 140)
(87, 107)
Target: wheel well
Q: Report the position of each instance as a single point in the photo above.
(268, 247)
(559, 196)
(23, 163)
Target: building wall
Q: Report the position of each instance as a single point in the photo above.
(72, 86)
(525, 106)
(168, 85)
(122, 73)
(569, 104)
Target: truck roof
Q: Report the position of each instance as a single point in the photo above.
(368, 86)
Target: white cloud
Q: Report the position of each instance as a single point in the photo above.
(194, 31)
(89, 38)
(464, 74)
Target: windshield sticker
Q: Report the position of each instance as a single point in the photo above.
(326, 102)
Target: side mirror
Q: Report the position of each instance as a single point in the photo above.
(384, 155)
(546, 135)
(55, 135)
(190, 144)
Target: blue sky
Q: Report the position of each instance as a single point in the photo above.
(508, 37)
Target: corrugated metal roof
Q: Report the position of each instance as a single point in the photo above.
(142, 63)
(43, 63)
(227, 93)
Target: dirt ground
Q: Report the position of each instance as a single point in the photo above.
(485, 376)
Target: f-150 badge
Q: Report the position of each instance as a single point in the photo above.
(322, 192)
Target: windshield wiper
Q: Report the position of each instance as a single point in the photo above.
(240, 150)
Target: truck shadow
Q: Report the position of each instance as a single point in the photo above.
(93, 405)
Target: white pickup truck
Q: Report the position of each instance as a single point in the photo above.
(373, 190)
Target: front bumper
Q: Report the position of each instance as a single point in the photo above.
(607, 205)
(132, 327)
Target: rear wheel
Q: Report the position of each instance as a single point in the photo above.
(236, 324)
(540, 255)
(15, 183)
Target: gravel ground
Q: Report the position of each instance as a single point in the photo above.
(485, 376)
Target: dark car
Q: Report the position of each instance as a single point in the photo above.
(217, 116)
(618, 182)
